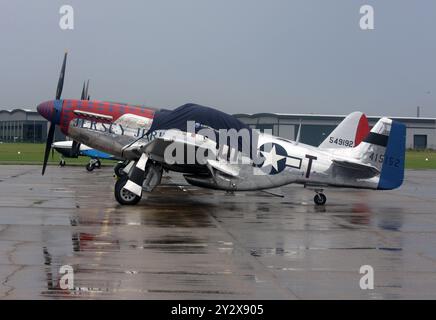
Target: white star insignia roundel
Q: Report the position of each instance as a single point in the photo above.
(271, 158)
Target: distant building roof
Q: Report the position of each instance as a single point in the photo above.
(329, 116)
(17, 110)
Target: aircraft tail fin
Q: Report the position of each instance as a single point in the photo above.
(384, 148)
(349, 133)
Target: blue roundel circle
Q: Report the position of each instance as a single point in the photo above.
(274, 158)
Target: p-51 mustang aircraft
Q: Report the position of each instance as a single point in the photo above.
(215, 150)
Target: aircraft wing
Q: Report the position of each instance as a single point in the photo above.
(156, 149)
(224, 167)
(180, 140)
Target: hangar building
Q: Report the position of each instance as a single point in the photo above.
(421, 132)
(22, 125)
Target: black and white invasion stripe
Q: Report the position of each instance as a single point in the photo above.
(137, 176)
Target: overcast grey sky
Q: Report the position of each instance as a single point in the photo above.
(236, 55)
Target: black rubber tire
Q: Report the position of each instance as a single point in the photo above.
(90, 167)
(320, 199)
(97, 164)
(118, 169)
(122, 195)
(62, 163)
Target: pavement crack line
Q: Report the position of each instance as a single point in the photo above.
(18, 269)
(18, 175)
(5, 227)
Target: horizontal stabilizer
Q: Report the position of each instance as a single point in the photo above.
(370, 170)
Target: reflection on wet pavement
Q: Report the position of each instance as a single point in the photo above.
(185, 242)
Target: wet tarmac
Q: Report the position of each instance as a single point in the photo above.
(182, 242)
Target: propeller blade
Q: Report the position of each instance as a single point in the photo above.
(75, 149)
(82, 97)
(48, 144)
(51, 131)
(86, 90)
(61, 78)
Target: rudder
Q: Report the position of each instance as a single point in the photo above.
(392, 171)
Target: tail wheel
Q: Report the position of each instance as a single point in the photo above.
(320, 199)
(123, 196)
(90, 167)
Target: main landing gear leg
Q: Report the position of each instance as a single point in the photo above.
(128, 188)
(143, 176)
(124, 196)
(119, 168)
(320, 199)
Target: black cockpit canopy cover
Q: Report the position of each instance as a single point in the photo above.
(203, 117)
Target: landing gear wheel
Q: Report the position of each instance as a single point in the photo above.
(90, 167)
(119, 169)
(97, 164)
(123, 196)
(320, 199)
(62, 163)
